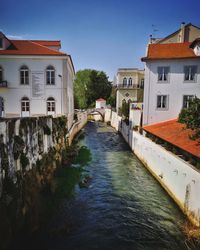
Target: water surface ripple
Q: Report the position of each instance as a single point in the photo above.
(123, 208)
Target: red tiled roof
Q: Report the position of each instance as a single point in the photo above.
(100, 100)
(26, 47)
(169, 51)
(176, 134)
(47, 43)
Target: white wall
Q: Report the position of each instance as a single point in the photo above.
(175, 88)
(62, 91)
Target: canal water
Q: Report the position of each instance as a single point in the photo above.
(123, 206)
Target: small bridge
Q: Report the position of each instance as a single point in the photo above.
(95, 111)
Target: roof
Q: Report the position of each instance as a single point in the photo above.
(100, 100)
(26, 47)
(176, 134)
(170, 51)
(48, 43)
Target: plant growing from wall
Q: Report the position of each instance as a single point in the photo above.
(24, 161)
(191, 118)
(18, 146)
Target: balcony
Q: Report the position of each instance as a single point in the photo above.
(133, 86)
(3, 84)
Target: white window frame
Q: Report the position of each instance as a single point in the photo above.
(130, 81)
(190, 73)
(51, 106)
(162, 102)
(163, 74)
(124, 81)
(189, 98)
(24, 80)
(52, 78)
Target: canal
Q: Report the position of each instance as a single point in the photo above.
(122, 208)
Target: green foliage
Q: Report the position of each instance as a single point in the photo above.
(24, 160)
(191, 117)
(112, 98)
(18, 146)
(83, 157)
(90, 85)
(125, 110)
(47, 130)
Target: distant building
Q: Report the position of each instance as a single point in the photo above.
(36, 79)
(129, 83)
(100, 103)
(172, 74)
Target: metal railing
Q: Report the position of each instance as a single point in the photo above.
(133, 86)
(3, 84)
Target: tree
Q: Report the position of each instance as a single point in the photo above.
(90, 85)
(191, 117)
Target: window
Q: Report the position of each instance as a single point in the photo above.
(124, 81)
(130, 81)
(25, 104)
(24, 75)
(162, 102)
(186, 100)
(1, 74)
(142, 83)
(1, 43)
(163, 73)
(190, 73)
(50, 75)
(1, 104)
(51, 104)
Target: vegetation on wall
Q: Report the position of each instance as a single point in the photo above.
(90, 85)
(191, 117)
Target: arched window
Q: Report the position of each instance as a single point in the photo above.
(129, 101)
(25, 106)
(24, 75)
(51, 106)
(123, 101)
(50, 75)
(130, 81)
(1, 74)
(124, 81)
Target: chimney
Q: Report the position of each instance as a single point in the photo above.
(182, 33)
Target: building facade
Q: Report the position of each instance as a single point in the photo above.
(172, 76)
(129, 83)
(36, 79)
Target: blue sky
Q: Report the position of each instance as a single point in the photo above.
(99, 34)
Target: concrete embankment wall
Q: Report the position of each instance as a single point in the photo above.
(82, 120)
(180, 179)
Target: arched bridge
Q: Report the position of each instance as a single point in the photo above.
(95, 111)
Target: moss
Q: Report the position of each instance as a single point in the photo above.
(11, 129)
(18, 146)
(24, 161)
(47, 130)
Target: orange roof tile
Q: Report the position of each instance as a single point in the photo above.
(26, 47)
(169, 51)
(176, 134)
(47, 43)
(100, 100)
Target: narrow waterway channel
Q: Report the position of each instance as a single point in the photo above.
(123, 208)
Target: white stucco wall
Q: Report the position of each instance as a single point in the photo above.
(175, 88)
(62, 91)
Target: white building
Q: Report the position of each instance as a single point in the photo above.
(100, 103)
(129, 83)
(172, 74)
(36, 79)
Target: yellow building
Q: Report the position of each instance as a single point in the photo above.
(129, 83)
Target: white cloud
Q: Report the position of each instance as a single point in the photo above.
(15, 37)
